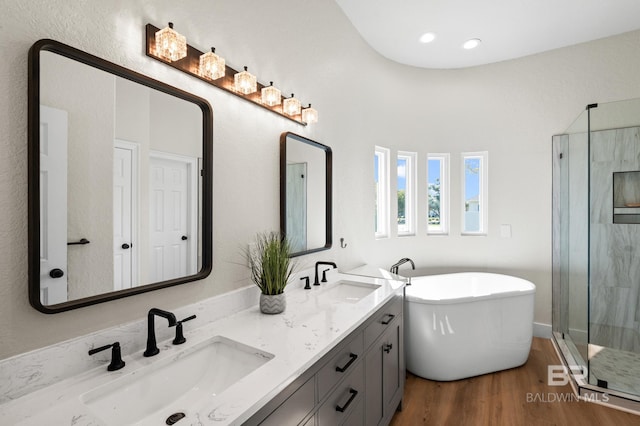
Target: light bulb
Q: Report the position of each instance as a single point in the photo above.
(271, 96)
(245, 82)
(170, 45)
(291, 106)
(212, 66)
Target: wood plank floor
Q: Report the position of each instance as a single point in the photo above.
(502, 399)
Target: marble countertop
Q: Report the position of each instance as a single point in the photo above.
(297, 338)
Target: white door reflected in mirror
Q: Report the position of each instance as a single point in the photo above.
(125, 196)
(172, 216)
(53, 205)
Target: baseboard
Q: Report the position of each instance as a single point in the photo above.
(542, 330)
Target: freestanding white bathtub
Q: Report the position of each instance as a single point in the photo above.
(466, 324)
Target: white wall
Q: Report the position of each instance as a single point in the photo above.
(510, 109)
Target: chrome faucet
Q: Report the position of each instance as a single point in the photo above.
(394, 268)
(152, 348)
(315, 281)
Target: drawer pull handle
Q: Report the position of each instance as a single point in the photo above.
(352, 357)
(388, 320)
(387, 347)
(353, 393)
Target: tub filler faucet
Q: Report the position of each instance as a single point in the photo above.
(394, 268)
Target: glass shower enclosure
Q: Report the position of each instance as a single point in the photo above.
(596, 251)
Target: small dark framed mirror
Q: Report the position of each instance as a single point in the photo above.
(305, 193)
(120, 181)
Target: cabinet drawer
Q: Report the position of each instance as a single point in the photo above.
(293, 410)
(384, 317)
(356, 418)
(345, 399)
(341, 364)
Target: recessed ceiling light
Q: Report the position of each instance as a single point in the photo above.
(427, 37)
(472, 43)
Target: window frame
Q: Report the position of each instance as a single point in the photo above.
(382, 200)
(410, 196)
(483, 190)
(445, 167)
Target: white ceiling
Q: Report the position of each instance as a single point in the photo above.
(508, 28)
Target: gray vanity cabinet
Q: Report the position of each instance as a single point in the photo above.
(359, 382)
(297, 406)
(384, 367)
(393, 374)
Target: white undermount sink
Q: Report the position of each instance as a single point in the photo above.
(347, 291)
(174, 383)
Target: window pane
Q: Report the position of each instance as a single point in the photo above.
(471, 194)
(381, 180)
(376, 176)
(434, 180)
(437, 193)
(406, 192)
(402, 194)
(474, 194)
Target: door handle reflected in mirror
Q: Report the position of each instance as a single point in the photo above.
(184, 238)
(125, 246)
(56, 273)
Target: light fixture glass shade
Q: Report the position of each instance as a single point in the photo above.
(245, 82)
(309, 115)
(170, 44)
(212, 66)
(271, 96)
(291, 106)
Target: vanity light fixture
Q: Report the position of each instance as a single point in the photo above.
(245, 82)
(242, 84)
(271, 95)
(291, 106)
(170, 45)
(211, 66)
(309, 115)
(472, 43)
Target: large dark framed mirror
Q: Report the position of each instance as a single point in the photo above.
(120, 181)
(305, 193)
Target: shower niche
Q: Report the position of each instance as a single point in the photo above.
(626, 197)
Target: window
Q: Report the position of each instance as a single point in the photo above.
(381, 177)
(474, 193)
(406, 193)
(437, 193)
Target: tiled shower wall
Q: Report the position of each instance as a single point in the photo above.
(615, 247)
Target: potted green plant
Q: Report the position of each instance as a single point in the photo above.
(271, 267)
